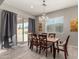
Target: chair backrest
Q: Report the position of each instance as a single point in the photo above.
(52, 35)
(43, 39)
(44, 33)
(34, 35)
(34, 38)
(66, 42)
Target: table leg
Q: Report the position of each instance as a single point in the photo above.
(54, 50)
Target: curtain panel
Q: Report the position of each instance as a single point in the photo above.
(8, 26)
(31, 26)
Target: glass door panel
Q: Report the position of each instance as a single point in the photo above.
(25, 31)
(19, 30)
(22, 29)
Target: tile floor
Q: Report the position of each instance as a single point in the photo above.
(23, 52)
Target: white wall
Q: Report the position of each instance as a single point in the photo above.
(37, 25)
(68, 13)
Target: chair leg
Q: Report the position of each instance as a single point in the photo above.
(40, 50)
(55, 52)
(28, 42)
(36, 48)
(58, 50)
(46, 52)
(65, 54)
(32, 47)
(57, 47)
(44, 49)
(51, 49)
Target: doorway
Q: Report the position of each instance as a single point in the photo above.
(22, 30)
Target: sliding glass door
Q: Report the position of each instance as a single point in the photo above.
(22, 29)
(25, 31)
(19, 30)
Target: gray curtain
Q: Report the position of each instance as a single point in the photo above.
(31, 26)
(8, 27)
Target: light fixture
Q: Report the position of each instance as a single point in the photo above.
(44, 17)
(31, 6)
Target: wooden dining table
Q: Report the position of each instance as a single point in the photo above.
(53, 40)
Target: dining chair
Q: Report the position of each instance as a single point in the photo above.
(29, 38)
(52, 35)
(34, 41)
(63, 47)
(44, 45)
(44, 33)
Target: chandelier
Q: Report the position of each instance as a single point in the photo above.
(44, 17)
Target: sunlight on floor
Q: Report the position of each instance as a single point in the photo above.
(2, 51)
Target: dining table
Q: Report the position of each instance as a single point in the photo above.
(53, 40)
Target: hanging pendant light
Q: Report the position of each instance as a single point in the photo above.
(44, 17)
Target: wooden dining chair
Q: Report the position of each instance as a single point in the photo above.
(29, 38)
(44, 33)
(52, 35)
(63, 47)
(44, 45)
(34, 42)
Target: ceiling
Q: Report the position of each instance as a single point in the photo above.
(34, 7)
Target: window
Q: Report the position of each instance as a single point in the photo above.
(55, 24)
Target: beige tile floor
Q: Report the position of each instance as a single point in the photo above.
(23, 52)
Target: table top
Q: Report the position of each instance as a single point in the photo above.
(52, 39)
